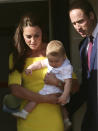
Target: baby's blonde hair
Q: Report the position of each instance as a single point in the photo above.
(55, 48)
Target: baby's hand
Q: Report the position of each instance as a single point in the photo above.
(62, 100)
(28, 71)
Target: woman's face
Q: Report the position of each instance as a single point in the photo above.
(33, 37)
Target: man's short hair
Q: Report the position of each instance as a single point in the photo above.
(83, 5)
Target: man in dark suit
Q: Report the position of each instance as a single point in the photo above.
(84, 20)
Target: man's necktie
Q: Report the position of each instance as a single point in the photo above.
(90, 45)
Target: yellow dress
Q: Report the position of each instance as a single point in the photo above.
(44, 117)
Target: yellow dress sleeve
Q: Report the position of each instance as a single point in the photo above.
(15, 76)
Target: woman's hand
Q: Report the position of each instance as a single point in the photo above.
(51, 79)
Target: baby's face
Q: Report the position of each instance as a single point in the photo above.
(56, 61)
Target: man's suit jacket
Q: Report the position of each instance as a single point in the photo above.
(89, 85)
(88, 88)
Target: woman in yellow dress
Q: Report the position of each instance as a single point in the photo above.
(29, 46)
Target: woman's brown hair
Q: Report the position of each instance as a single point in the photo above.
(19, 46)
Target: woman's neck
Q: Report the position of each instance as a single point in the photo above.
(37, 53)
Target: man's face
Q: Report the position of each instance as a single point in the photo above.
(81, 22)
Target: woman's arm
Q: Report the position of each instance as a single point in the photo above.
(20, 92)
(51, 79)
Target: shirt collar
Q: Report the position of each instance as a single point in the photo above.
(94, 34)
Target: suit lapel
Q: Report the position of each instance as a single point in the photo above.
(83, 49)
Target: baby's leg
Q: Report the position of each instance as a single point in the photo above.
(25, 111)
(30, 106)
(64, 112)
(67, 122)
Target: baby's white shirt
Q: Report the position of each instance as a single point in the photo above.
(63, 72)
